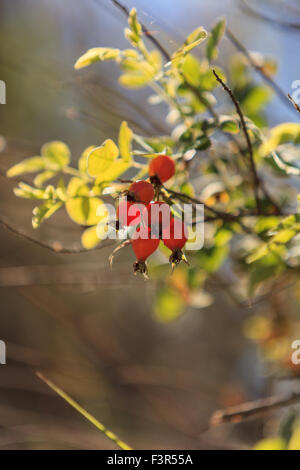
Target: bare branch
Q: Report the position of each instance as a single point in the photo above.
(296, 106)
(256, 181)
(237, 43)
(254, 408)
(55, 247)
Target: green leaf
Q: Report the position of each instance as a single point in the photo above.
(29, 165)
(40, 213)
(256, 98)
(193, 40)
(169, 305)
(56, 155)
(125, 139)
(268, 267)
(214, 38)
(228, 124)
(101, 158)
(283, 166)
(84, 210)
(95, 55)
(202, 143)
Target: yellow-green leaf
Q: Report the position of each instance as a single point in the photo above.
(56, 155)
(101, 158)
(77, 187)
(95, 55)
(40, 179)
(281, 134)
(125, 138)
(193, 40)
(113, 172)
(29, 165)
(40, 213)
(275, 443)
(84, 210)
(82, 162)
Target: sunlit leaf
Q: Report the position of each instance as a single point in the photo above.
(40, 179)
(101, 158)
(95, 55)
(56, 155)
(40, 213)
(29, 165)
(281, 134)
(82, 162)
(275, 443)
(125, 139)
(92, 236)
(84, 210)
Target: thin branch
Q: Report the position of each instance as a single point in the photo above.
(55, 247)
(145, 30)
(256, 181)
(296, 106)
(254, 408)
(280, 93)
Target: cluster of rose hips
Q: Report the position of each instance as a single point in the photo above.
(151, 219)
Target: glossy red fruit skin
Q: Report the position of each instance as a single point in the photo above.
(143, 244)
(162, 167)
(168, 238)
(128, 214)
(157, 215)
(141, 191)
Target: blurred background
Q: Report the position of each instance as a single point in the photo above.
(93, 332)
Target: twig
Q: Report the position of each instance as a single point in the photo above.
(235, 414)
(110, 435)
(55, 247)
(281, 94)
(256, 181)
(296, 106)
(145, 30)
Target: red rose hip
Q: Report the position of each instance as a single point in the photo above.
(174, 237)
(140, 191)
(143, 246)
(161, 168)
